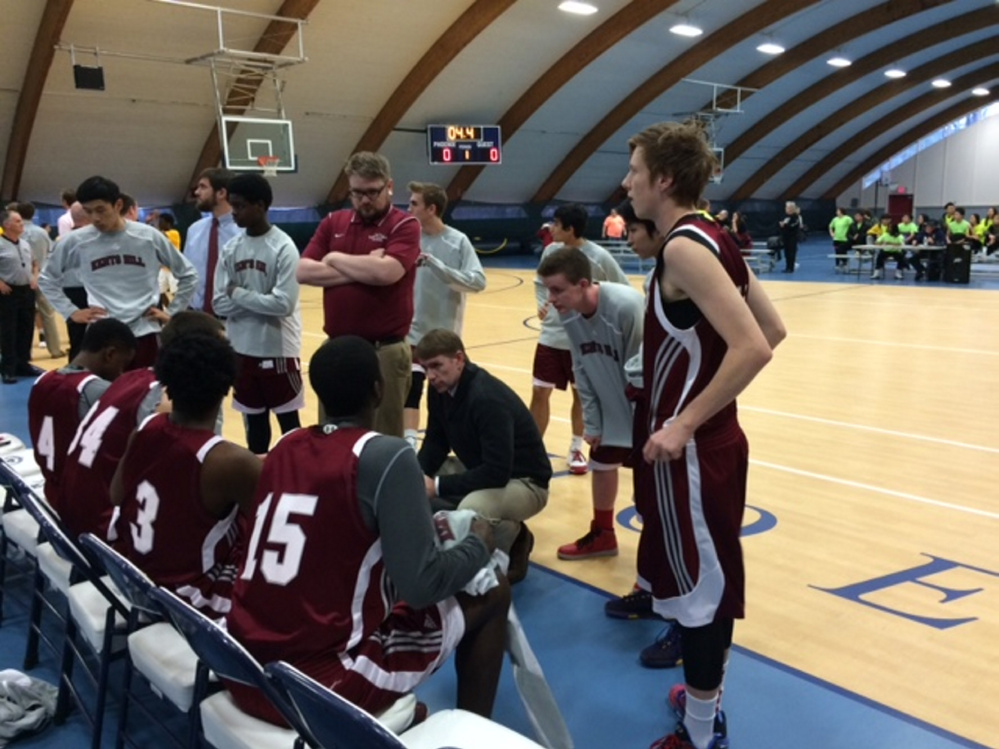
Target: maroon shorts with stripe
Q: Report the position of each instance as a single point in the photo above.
(552, 367)
(146, 348)
(689, 554)
(268, 383)
(405, 651)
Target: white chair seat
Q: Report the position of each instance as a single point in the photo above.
(89, 608)
(165, 659)
(9, 443)
(227, 727)
(398, 716)
(23, 462)
(56, 569)
(463, 730)
(22, 530)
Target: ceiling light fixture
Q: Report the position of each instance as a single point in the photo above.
(895, 73)
(686, 29)
(941, 83)
(839, 62)
(980, 91)
(770, 48)
(580, 9)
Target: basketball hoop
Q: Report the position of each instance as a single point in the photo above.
(269, 165)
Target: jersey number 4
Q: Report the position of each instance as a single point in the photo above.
(279, 567)
(91, 433)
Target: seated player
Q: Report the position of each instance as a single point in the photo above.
(60, 399)
(179, 485)
(343, 577)
(502, 469)
(102, 436)
(256, 290)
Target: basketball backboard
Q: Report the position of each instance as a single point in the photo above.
(246, 139)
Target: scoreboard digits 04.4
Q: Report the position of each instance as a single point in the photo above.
(464, 144)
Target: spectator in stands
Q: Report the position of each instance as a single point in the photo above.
(876, 230)
(789, 226)
(974, 239)
(545, 234)
(739, 232)
(167, 225)
(41, 245)
(129, 208)
(948, 215)
(907, 228)
(958, 227)
(17, 300)
(890, 242)
(861, 225)
(613, 226)
(65, 223)
(839, 230)
(929, 235)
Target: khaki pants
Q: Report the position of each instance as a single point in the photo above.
(508, 505)
(50, 325)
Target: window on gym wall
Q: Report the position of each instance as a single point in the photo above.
(962, 123)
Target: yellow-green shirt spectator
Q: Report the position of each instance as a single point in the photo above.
(839, 228)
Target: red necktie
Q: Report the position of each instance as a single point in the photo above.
(213, 259)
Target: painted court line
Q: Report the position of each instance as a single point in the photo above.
(877, 489)
(980, 352)
(865, 428)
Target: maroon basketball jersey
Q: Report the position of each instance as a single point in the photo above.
(53, 417)
(682, 351)
(164, 527)
(313, 580)
(97, 448)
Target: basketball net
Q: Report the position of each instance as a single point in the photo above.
(269, 165)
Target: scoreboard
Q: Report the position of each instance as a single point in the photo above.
(464, 144)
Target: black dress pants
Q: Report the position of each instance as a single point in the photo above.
(17, 329)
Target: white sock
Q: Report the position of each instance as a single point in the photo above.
(699, 720)
(410, 436)
(577, 443)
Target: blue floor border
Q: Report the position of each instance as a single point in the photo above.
(803, 675)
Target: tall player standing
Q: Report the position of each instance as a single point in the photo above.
(709, 330)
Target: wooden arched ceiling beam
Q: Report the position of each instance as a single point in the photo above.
(922, 129)
(835, 36)
(830, 38)
(749, 23)
(894, 49)
(439, 55)
(610, 32)
(272, 42)
(42, 53)
(859, 107)
(914, 108)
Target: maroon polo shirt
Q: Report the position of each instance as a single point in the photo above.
(377, 313)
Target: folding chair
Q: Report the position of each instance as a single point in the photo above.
(22, 530)
(337, 723)
(223, 724)
(155, 649)
(95, 610)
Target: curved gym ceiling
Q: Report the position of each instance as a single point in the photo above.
(568, 90)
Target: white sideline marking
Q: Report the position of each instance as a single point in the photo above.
(878, 490)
